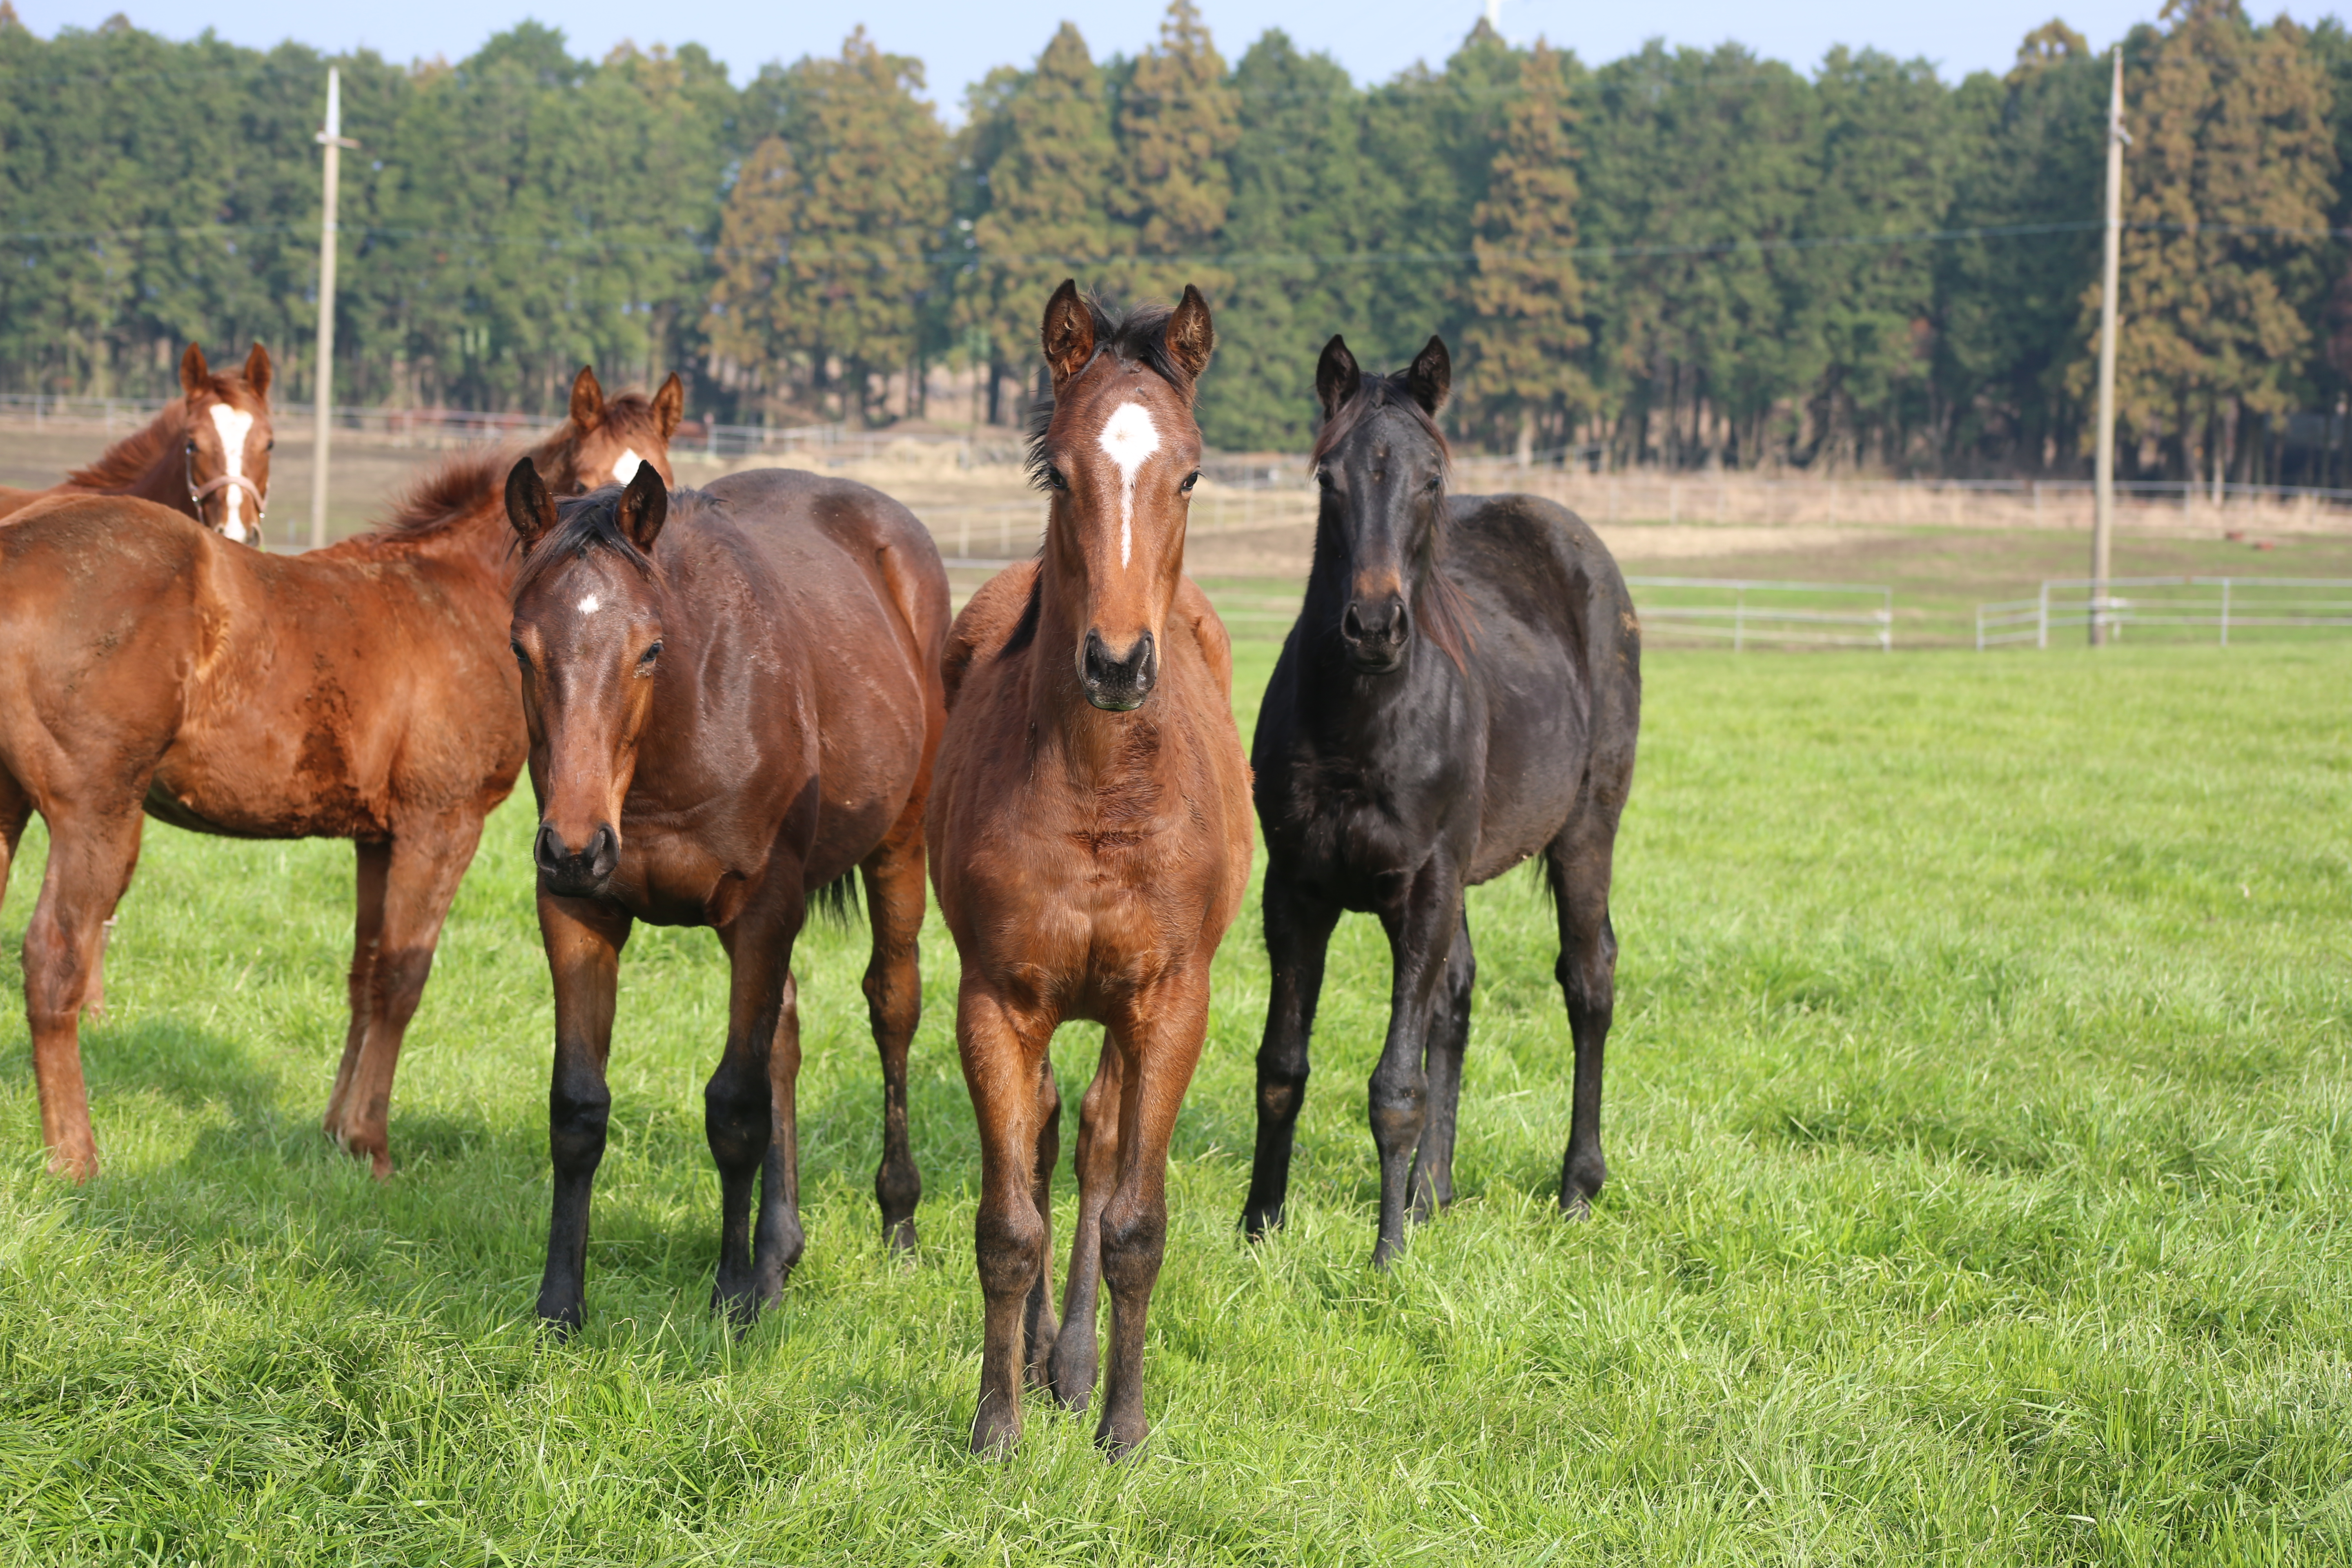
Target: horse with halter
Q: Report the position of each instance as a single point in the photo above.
(206, 454)
(1090, 843)
(734, 702)
(1461, 692)
(361, 691)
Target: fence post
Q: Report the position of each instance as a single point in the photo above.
(1673, 501)
(1739, 619)
(2041, 631)
(2225, 612)
(1886, 624)
(1981, 628)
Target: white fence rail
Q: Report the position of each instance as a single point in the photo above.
(1749, 612)
(2224, 603)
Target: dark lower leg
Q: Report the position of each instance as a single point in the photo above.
(1038, 1326)
(1449, 1037)
(1419, 943)
(739, 1118)
(778, 1240)
(1075, 1357)
(579, 1107)
(1297, 935)
(1591, 1004)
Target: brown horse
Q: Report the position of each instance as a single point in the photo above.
(206, 454)
(360, 691)
(1091, 839)
(734, 702)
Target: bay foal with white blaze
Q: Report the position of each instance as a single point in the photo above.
(1090, 840)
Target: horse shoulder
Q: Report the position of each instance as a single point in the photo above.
(1216, 645)
(986, 623)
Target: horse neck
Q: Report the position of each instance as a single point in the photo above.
(164, 480)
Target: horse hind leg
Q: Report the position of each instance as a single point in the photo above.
(424, 866)
(1579, 871)
(91, 857)
(1077, 1357)
(374, 863)
(1449, 1037)
(893, 876)
(1038, 1327)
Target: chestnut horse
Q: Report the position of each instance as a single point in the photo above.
(361, 691)
(1090, 842)
(206, 454)
(734, 701)
(1461, 692)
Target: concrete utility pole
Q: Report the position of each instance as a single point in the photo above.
(2103, 512)
(331, 139)
(1495, 16)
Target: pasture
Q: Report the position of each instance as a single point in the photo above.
(1979, 1123)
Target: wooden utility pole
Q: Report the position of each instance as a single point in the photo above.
(331, 139)
(2103, 512)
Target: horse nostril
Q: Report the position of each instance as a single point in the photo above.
(604, 850)
(1351, 625)
(547, 850)
(1397, 625)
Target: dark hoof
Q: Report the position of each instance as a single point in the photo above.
(1256, 1223)
(994, 1437)
(899, 1237)
(741, 1309)
(1575, 1206)
(560, 1325)
(1119, 1439)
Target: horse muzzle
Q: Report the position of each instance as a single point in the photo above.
(1118, 683)
(582, 873)
(1375, 634)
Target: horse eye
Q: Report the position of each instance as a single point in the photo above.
(522, 658)
(1323, 478)
(649, 654)
(1189, 480)
(1054, 480)
(270, 445)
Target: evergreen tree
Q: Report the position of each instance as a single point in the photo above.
(1177, 122)
(1301, 204)
(1044, 219)
(825, 254)
(1524, 342)
(2227, 181)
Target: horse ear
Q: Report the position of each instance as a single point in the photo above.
(1191, 337)
(257, 371)
(1337, 377)
(645, 507)
(1069, 334)
(194, 372)
(529, 506)
(1432, 375)
(669, 404)
(587, 399)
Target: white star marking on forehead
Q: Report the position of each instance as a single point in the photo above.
(588, 605)
(1129, 437)
(234, 425)
(625, 467)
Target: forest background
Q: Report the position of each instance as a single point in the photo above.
(1685, 257)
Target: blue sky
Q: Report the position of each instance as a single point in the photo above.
(960, 41)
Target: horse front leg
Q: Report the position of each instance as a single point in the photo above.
(429, 859)
(1421, 930)
(91, 856)
(1449, 1037)
(1003, 1050)
(749, 1099)
(1159, 1041)
(374, 866)
(584, 941)
(1076, 1361)
(1297, 935)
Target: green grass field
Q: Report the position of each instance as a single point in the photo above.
(1979, 1123)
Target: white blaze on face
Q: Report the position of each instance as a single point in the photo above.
(625, 467)
(233, 426)
(588, 605)
(1128, 438)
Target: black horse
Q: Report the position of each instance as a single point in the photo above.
(1461, 691)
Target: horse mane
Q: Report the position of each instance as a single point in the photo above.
(1139, 337)
(128, 461)
(585, 525)
(445, 494)
(1444, 610)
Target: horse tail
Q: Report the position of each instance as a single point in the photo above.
(837, 902)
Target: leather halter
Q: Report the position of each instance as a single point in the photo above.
(197, 493)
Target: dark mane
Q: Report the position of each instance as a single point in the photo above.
(1379, 392)
(1446, 617)
(131, 460)
(585, 525)
(1140, 337)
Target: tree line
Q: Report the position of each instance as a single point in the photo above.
(1686, 256)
